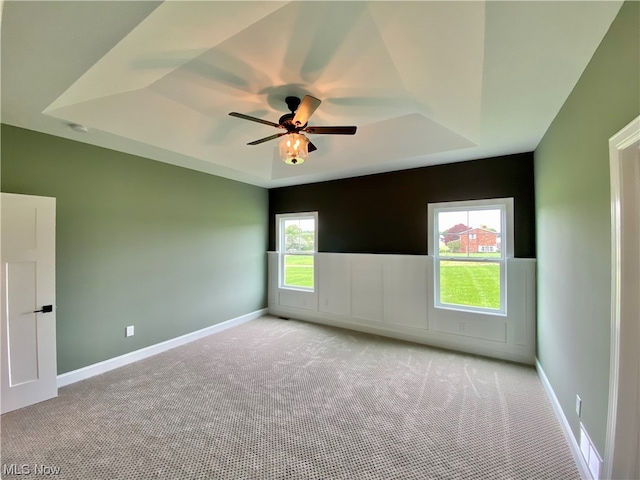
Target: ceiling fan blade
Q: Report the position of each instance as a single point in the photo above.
(332, 130)
(255, 119)
(266, 139)
(305, 110)
(311, 147)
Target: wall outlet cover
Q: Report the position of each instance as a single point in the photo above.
(129, 331)
(584, 443)
(595, 462)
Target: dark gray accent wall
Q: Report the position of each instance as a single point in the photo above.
(574, 224)
(387, 213)
(139, 242)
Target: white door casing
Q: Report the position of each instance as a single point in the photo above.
(28, 370)
(622, 449)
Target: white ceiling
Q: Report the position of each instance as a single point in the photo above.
(426, 82)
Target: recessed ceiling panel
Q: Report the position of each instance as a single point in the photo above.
(150, 118)
(337, 55)
(170, 36)
(438, 50)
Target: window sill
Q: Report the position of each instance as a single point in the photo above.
(297, 289)
(488, 312)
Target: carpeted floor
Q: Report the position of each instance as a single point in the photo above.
(278, 399)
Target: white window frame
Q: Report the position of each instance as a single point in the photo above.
(506, 248)
(280, 219)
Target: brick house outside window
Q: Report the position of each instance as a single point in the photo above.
(479, 240)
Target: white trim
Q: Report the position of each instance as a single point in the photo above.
(437, 339)
(505, 205)
(618, 460)
(280, 217)
(301, 216)
(583, 468)
(131, 357)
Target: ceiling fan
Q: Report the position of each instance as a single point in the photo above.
(295, 147)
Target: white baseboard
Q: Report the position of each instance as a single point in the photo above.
(116, 362)
(402, 333)
(392, 295)
(583, 468)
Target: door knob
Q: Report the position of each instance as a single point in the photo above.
(45, 309)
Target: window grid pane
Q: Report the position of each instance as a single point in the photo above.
(299, 271)
(470, 284)
(470, 233)
(299, 235)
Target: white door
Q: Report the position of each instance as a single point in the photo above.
(29, 372)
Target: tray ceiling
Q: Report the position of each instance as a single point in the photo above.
(425, 82)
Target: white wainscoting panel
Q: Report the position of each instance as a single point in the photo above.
(272, 287)
(521, 294)
(481, 327)
(392, 295)
(404, 286)
(334, 283)
(366, 287)
(298, 299)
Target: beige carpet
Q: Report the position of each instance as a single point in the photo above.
(287, 400)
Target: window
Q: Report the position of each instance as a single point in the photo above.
(297, 244)
(470, 242)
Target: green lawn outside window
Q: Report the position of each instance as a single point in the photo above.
(298, 271)
(474, 284)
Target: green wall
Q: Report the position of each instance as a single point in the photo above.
(573, 225)
(166, 249)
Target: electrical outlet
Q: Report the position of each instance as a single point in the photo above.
(578, 405)
(129, 331)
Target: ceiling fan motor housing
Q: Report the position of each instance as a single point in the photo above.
(287, 122)
(292, 103)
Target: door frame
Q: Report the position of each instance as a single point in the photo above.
(625, 347)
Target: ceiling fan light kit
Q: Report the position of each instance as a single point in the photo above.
(294, 146)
